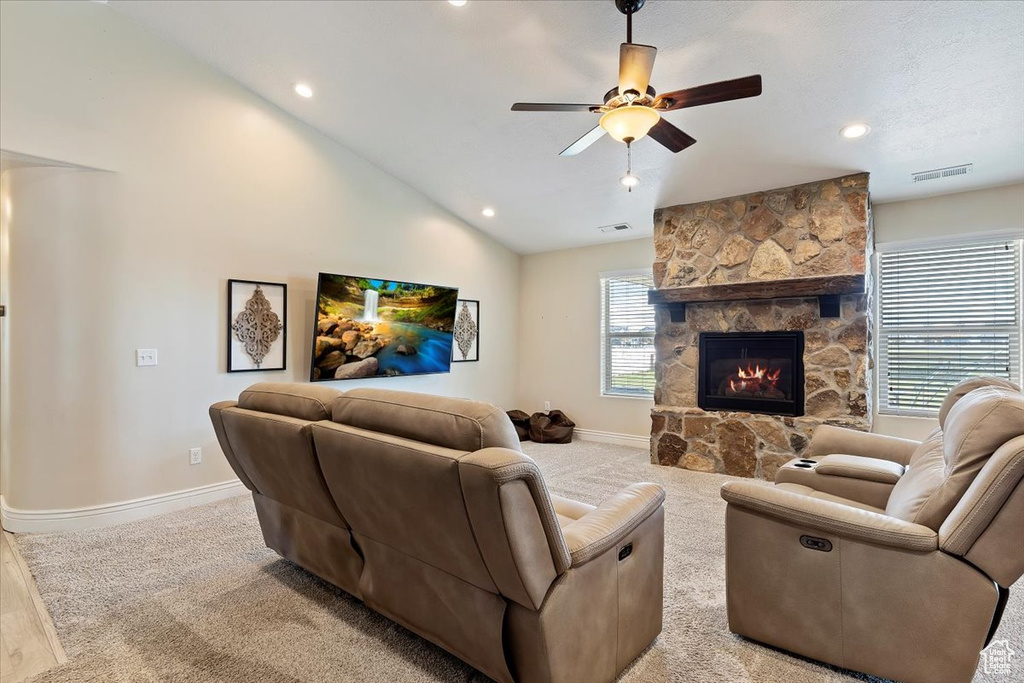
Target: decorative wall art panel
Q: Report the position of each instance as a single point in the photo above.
(467, 332)
(257, 338)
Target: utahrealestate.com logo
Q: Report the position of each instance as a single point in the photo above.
(997, 658)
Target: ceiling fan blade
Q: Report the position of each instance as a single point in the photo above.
(670, 137)
(636, 62)
(723, 91)
(547, 106)
(589, 138)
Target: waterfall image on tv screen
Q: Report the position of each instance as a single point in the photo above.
(381, 328)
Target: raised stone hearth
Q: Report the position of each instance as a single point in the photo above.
(810, 231)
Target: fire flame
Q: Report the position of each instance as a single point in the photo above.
(753, 377)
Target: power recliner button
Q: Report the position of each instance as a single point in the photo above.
(814, 543)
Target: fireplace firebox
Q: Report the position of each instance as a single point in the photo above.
(756, 372)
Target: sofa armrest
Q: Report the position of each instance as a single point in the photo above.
(828, 439)
(611, 521)
(829, 517)
(860, 467)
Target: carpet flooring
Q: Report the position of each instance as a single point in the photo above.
(195, 596)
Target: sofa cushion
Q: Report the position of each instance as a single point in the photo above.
(967, 386)
(453, 423)
(300, 401)
(945, 465)
(821, 495)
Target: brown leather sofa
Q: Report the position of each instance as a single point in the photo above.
(425, 508)
(884, 555)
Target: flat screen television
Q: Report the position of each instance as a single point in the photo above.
(367, 327)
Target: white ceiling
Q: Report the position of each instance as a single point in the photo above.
(422, 89)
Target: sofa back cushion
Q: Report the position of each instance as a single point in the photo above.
(446, 508)
(276, 453)
(945, 465)
(451, 423)
(403, 494)
(965, 387)
(442, 551)
(302, 401)
(985, 526)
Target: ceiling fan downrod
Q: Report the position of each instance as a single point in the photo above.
(628, 7)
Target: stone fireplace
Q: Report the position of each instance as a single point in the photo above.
(762, 325)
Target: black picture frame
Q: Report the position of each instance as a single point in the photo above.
(476, 341)
(234, 362)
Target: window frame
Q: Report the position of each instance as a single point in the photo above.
(605, 334)
(882, 333)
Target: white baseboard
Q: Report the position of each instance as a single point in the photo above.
(74, 519)
(612, 437)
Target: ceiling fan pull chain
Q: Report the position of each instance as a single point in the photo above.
(629, 164)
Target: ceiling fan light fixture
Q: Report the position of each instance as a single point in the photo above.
(629, 180)
(630, 122)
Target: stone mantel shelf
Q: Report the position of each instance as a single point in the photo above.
(828, 289)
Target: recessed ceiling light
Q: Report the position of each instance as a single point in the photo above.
(855, 130)
(629, 180)
(303, 90)
(488, 211)
(456, 3)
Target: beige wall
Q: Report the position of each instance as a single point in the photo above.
(559, 335)
(994, 209)
(998, 209)
(206, 181)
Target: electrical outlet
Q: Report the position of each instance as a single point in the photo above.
(145, 357)
(547, 405)
(195, 456)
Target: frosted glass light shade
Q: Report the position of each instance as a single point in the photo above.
(630, 122)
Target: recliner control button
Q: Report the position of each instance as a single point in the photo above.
(814, 543)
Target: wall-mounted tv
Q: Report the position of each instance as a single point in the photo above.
(368, 327)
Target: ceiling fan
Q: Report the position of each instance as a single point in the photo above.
(633, 109)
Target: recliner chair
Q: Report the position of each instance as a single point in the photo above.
(883, 556)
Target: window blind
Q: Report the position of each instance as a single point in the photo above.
(627, 335)
(946, 313)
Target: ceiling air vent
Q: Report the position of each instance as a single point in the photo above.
(618, 227)
(948, 172)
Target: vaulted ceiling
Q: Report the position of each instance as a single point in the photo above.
(422, 89)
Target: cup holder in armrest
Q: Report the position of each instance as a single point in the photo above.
(803, 465)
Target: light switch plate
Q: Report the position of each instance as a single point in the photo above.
(145, 357)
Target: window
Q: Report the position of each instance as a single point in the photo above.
(946, 313)
(627, 334)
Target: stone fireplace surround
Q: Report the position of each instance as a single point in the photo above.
(817, 233)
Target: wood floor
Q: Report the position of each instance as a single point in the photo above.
(28, 641)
